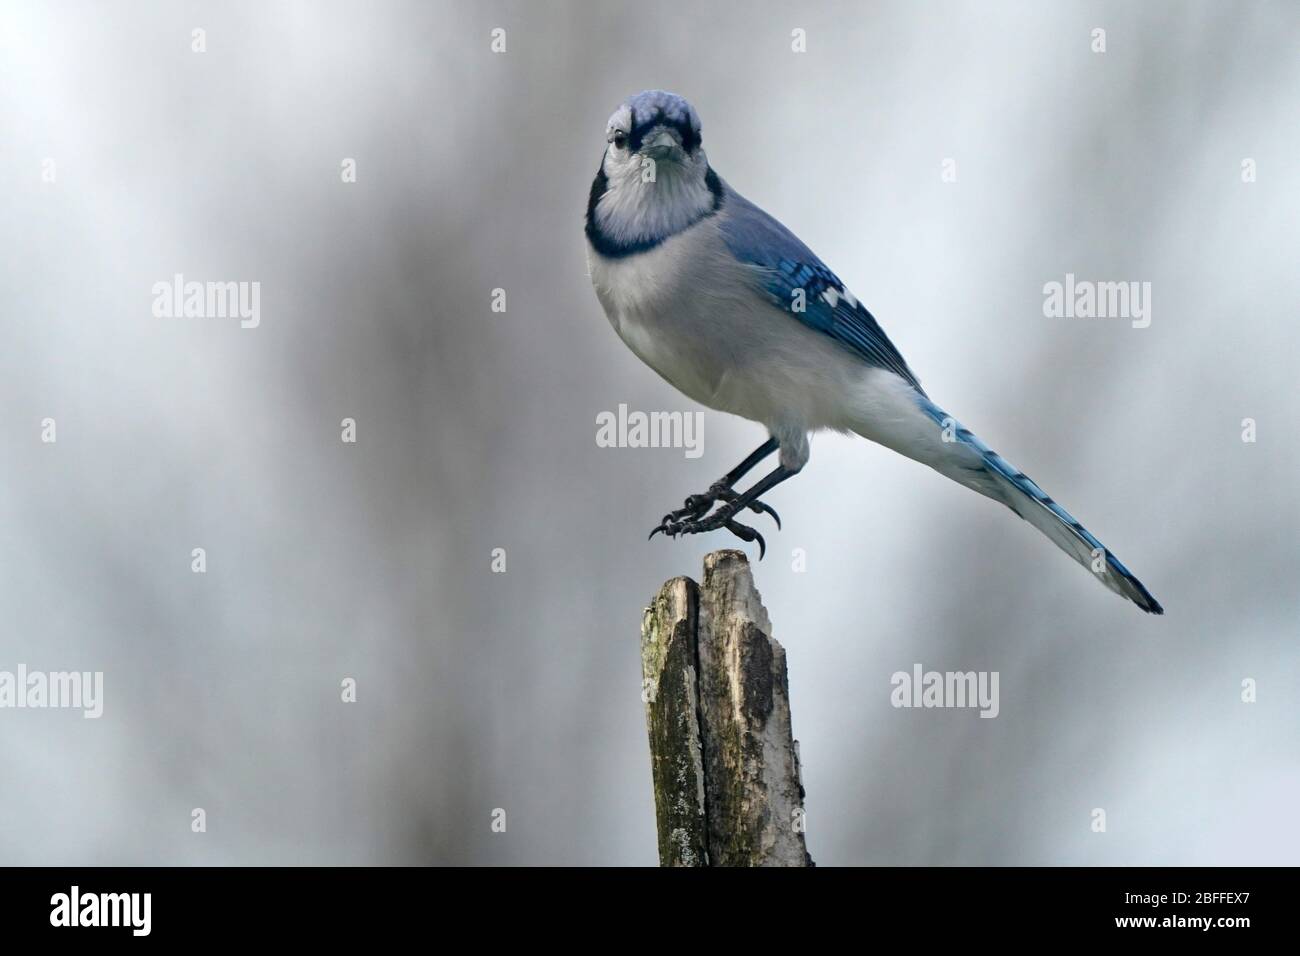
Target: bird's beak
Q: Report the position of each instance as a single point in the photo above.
(661, 144)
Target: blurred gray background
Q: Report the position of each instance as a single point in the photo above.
(520, 690)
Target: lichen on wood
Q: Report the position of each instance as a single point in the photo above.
(668, 668)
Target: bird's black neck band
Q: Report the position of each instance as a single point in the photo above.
(613, 248)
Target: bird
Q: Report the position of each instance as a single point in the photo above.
(730, 308)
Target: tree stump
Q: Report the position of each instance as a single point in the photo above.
(723, 757)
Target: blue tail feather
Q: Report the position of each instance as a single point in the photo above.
(1000, 480)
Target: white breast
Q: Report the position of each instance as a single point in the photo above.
(663, 305)
(702, 321)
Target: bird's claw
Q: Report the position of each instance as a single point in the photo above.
(746, 533)
(758, 507)
(763, 507)
(688, 522)
(695, 507)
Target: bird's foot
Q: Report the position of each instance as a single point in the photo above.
(694, 519)
(696, 506)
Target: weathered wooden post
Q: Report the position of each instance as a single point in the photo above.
(724, 761)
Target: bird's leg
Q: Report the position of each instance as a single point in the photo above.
(721, 490)
(724, 516)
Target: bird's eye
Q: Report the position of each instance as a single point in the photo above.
(620, 140)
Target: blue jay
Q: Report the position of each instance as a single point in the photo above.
(736, 313)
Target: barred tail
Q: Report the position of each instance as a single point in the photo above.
(976, 465)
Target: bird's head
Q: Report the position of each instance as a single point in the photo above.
(651, 128)
(654, 178)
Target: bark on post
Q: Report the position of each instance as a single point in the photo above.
(669, 689)
(724, 761)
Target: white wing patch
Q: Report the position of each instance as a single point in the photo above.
(832, 297)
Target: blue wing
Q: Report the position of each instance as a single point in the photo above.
(787, 266)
